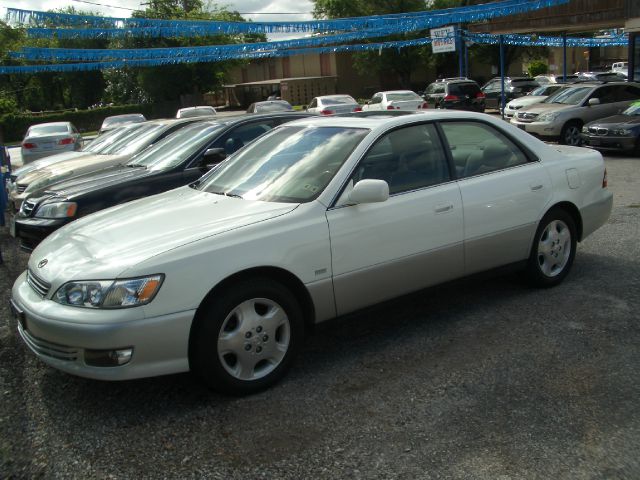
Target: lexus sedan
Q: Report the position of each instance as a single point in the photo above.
(318, 218)
(396, 100)
(47, 139)
(332, 104)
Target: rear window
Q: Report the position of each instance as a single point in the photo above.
(463, 89)
(338, 100)
(38, 130)
(435, 88)
(398, 97)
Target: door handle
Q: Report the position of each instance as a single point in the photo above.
(536, 187)
(443, 208)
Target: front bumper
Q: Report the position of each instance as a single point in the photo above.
(31, 231)
(539, 129)
(610, 142)
(59, 335)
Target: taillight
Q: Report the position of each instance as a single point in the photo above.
(357, 109)
(327, 112)
(65, 141)
(451, 98)
(480, 95)
(424, 105)
(29, 145)
(390, 107)
(605, 180)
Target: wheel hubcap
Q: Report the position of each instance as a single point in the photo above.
(572, 136)
(253, 339)
(554, 248)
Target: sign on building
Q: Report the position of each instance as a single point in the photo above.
(443, 39)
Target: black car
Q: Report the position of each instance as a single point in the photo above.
(455, 93)
(177, 160)
(618, 132)
(514, 87)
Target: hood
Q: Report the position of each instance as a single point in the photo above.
(46, 161)
(97, 180)
(549, 107)
(39, 179)
(527, 100)
(105, 244)
(622, 120)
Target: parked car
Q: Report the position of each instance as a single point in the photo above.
(316, 219)
(176, 160)
(47, 139)
(270, 106)
(331, 104)
(547, 79)
(138, 137)
(455, 93)
(514, 87)
(618, 132)
(561, 116)
(396, 100)
(200, 111)
(601, 77)
(114, 121)
(534, 96)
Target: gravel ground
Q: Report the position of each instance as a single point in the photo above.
(475, 379)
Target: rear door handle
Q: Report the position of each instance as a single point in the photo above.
(443, 208)
(536, 187)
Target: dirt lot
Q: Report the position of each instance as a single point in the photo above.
(477, 379)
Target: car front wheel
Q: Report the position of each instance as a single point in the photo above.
(570, 134)
(553, 249)
(244, 340)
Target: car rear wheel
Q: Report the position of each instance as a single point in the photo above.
(570, 134)
(245, 339)
(553, 249)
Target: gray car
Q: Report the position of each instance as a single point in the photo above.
(48, 139)
(562, 115)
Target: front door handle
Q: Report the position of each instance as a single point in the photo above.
(536, 187)
(443, 208)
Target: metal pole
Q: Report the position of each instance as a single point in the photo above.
(502, 76)
(633, 44)
(466, 58)
(460, 55)
(564, 57)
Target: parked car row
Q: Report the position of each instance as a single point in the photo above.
(215, 248)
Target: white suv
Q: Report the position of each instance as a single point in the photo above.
(562, 115)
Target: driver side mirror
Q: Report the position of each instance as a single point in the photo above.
(213, 156)
(369, 191)
(594, 101)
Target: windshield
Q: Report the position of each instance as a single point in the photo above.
(569, 96)
(105, 140)
(135, 140)
(402, 96)
(177, 147)
(545, 90)
(38, 130)
(337, 100)
(634, 109)
(291, 164)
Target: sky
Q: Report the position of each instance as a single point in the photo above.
(300, 9)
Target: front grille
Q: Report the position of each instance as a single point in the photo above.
(39, 285)
(598, 131)
(527, 117)
(47, 349)
(27, 208)
(514, 107)
(20, 188)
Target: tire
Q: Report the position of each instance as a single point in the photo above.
(553, 249)
(570, 134)
(246, 338)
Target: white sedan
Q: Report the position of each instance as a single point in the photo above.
(534, 96)
(332, 104)
(47, 139)
(318, 218)
(396, 100)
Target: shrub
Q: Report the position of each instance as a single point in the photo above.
(537, 67)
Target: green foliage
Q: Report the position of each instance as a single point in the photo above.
(8, 103)
(537, 67)
(15, 125)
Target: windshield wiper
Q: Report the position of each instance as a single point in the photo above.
(235, 195)
(135, 165)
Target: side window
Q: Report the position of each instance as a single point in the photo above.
(242, 135)
(479, 148)
(376, 99)
(313, 104)
(605, 94)
(628, 92)
(407, 159)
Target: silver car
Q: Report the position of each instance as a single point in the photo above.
(332, 104)
(562, 115)
(200, 111)
(114, 121)
(48, 139)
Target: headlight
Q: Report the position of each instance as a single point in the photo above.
(622, 132)
(548, 117)
(57, 210)
(130, 292)
(585, 129)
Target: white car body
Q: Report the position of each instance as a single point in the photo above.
(342, 255)
(332, 104)
(47, 139)
(395, 100)
(199, 111)
(516, 104)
